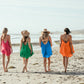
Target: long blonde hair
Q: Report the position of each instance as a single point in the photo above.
(44, 35)
(5, 30)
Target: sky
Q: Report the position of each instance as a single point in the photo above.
(36, 15)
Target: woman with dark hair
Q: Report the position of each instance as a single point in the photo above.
(66, 47)
(26, 49)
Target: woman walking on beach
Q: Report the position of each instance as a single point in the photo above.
(6, 48)
(66, 47)
(26, 50)
(46, 44)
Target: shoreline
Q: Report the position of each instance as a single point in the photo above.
(57, 42)
(18, 44)
(73, 41)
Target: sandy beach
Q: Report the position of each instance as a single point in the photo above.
(36, 74)
(39, 22)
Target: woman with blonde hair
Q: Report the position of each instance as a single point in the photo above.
(45, 42)
(6, 47)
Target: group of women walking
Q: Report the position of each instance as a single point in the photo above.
(45, 42)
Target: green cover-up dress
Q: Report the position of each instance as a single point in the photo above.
(25, 51)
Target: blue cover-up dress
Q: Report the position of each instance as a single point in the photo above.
(46, 49)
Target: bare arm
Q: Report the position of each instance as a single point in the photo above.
(40, 41)
(60, 40)
(70, 40)
(50, 40)
(1, 40)
(22, 32)
(20, 44)
(29, 43)
(9, 41)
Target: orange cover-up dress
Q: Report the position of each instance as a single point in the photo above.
(65, 49)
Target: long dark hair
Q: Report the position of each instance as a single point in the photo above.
(67, 30)
(25, 38)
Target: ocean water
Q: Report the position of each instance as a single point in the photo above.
(16, 38)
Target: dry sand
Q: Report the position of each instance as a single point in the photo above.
(36, 74)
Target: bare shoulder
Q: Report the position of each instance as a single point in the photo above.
(61, 35)
(8, 36)
(49, 37)
(29, 40)
(21, 39)
(40, 37)
(70, 36)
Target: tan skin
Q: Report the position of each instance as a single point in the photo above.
(66, 38)
(25, 61)
(8, 57)
(45, 59)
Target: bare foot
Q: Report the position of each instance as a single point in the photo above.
(23, 69)
(6, 70)
(46, 71)
(26, 69)
(49, 69)
(65, 70)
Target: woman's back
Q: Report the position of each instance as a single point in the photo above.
(45, 40)
(66, 38)
(66, 47)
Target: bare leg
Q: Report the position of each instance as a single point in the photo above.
(45, 64)
(24, 62)
(49, 64)
(66, 63)
(8, 60)
(26, 65)
(4, 62)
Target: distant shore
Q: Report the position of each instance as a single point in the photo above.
(73, 32)
(80, 31)
(74, 41)
(17, 44)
